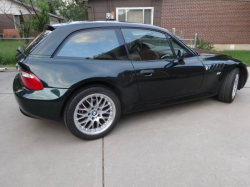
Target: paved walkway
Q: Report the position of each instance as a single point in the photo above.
(204, 143)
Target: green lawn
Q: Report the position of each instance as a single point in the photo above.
(8, 51)
(243, 56)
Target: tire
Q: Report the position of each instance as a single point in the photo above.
(92, 112)
(228, 89)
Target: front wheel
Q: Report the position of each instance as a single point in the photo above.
(229, 87)
(92, 113)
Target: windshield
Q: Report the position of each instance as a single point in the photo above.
(34, 42)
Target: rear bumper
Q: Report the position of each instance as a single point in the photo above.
(46, 103)
(26, 114)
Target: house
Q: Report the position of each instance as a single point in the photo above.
(225, 23)
(12, 8)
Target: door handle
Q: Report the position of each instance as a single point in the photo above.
(147, 72)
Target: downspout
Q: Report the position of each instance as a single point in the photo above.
(92, 12)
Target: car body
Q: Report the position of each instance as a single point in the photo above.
(140, 82)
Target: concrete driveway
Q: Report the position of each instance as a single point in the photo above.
(204, 143)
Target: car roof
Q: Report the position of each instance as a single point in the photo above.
(90, 24)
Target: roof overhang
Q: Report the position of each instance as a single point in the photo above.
(37, 9)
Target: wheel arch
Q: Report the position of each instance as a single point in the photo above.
(109, 85)
(243, 77)
(243, 74)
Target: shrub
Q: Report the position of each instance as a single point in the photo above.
(201, 44)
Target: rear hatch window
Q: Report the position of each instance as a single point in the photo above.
(36, 41)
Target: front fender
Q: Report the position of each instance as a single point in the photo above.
(217, 68)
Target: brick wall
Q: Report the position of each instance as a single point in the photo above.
(101, 7)
(6, 23)
(216, 21)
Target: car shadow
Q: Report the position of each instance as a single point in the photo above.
(51, 130)
(57, 129)
(173, 112)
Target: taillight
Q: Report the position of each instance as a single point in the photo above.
(31, 81)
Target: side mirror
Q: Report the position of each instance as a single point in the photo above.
(20, 50)
(180, 57)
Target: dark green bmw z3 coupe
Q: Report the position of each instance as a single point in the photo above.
(89, 73)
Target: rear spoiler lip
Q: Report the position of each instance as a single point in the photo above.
(50, 27)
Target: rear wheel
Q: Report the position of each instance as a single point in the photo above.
(229, 87)
(92, 112)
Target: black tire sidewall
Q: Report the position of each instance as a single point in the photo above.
(226, 89)
(76, 98)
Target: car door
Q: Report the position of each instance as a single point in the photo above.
(92, 56)
(158, 74)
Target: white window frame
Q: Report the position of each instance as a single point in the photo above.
(133, 8)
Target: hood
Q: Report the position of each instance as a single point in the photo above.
(203, 52)
(213, 55)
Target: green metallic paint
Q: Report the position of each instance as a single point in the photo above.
(61, 77)
(46, 103)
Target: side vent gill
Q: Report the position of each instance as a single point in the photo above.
(216, 67)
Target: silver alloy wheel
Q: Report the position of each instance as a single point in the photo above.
(94, 114)
(235, 87)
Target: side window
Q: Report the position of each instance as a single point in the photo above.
(94, 44)
(147, 45)
(178, 47)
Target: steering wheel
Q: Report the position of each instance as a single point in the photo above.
(164, 56)
(135, 46)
